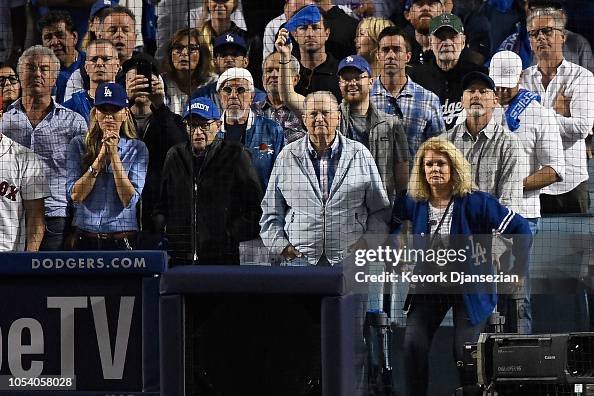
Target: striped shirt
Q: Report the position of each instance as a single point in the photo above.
(325, 165)
(418, 108)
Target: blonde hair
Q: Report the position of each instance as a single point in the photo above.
(461, 175)
(374, 26)
(93, 137)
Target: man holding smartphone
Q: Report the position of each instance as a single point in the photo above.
(158, 127)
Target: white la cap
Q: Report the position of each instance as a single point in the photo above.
(233, 73)
(505, 69)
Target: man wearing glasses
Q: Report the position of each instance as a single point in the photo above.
(443, 74)
(568, 89)
(37, 122)
(102, 65)
(262, 137)
(229, 50)
(381, 133)
(210, 192)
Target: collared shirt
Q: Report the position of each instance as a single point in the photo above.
(288, 120)
(418, 108)
(102, 211)
(49, 140)
(578, 84)
(494, 155)
(540, 143)
(325, 164)
(270, 32)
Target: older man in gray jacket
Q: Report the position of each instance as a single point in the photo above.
(325, 195)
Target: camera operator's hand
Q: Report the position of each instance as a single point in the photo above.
(157, 95)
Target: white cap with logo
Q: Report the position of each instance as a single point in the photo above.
(505, 69)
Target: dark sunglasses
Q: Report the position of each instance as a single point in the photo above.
(547, 31)
(229, 90)
(11, 79)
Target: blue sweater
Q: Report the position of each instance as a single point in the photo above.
(82, 103)
(476, 214)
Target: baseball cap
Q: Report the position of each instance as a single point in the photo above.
(202, 107)
(505, 69)
(477, 76)
(230, 39)
(111, 94)
(233, 73)
(356, 61)
(409, 3)
(101, 4)
(307, 15)
(446, 20)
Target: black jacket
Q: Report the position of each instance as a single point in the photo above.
(164, 129)
(227, 206)
(447, 85)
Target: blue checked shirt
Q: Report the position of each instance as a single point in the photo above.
(49, 140)
(418, 108)
(102, 211)
(325, 165)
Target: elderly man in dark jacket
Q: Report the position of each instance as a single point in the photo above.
(210, 193)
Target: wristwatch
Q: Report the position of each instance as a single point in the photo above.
(93, 171)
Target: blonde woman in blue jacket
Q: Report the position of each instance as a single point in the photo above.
(442, 202)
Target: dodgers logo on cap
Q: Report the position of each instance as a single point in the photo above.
(229, 38)
(349, 59)
(107, 92)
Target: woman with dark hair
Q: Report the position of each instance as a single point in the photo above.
(106, 174)
(448, 214)
(186, 68)
(9, 84)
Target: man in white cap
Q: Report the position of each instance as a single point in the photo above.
(542, 164)
(262, 137)
(536, 129)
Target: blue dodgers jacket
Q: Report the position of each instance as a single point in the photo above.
(82, 103)
(264, 139)
(475, 214)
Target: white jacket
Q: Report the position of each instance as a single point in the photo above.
(295, 213)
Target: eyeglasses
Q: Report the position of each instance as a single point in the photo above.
(238, 90)
(347, 80)
(547, 31)
(13, 79)
(105, 59)
(179, 48)
(205, 127)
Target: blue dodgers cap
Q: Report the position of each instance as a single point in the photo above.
(101, 4)
(202, 107)
(471, 77)
(229, 39)
(111, 94)
(307, 15)
(356, 61)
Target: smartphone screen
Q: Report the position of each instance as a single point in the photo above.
(144, 68)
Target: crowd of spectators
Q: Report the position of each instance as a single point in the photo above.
(212, 130)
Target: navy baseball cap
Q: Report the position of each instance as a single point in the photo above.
(477, 76)
(229, 39)
(356, 61)
(111, 94)
(101, 4)
(202, 107)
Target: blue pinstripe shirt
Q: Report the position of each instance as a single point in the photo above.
(418, 108)
(325, 165)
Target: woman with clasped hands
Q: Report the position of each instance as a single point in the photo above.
(106, 174)
(441, 202)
